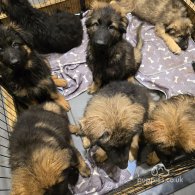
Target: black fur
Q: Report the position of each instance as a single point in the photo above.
(134, 92)
(59, 32)
(109, 56)
(26, 138)
(193, 65)
(21, 72)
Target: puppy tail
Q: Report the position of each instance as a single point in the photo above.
(138, 48)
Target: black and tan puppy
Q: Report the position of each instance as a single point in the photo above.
(109, 56)
(24, 73)
(113, 120)
(42, 157)
(171, 127)
(168, 16)
(58, 32)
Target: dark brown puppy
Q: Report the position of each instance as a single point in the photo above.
(42, 157)
(24, 73)
(109, 56)
(171, 127)
(168, 16)
(113, 120)
(57, 32)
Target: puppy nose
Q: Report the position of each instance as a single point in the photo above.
(100, 43)
(14, 61)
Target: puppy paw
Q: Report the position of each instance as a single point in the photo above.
(84, 170)
(93, 88)
(66, 105)
(58, 81)
(100, 156)
(152, 159)
(174, 48)
(131, 156)
(86, 142)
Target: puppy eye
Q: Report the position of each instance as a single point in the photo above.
(15, 45)
(111, 27)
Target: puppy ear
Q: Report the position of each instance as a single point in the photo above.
(24, 35)
(104, 137)
(123, 24)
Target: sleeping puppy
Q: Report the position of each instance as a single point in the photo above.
(113, 120)
(42, 156)
(58, 32)
(168, 16)
(109, 56)
(171, 127)
(24, 73)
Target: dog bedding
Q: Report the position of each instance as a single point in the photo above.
(160, 70)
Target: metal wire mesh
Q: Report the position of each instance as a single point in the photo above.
(7, 109)
(7, 118)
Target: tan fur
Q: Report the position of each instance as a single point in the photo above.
(100, 155)
(152, 159)
(172, 124)
(113, 114)
(28, 50)
(29, 64)
(134, 148)
(95, 86)
(100, 4)
(58, 81)
(52, 107)
(60, 100)
(44, 171)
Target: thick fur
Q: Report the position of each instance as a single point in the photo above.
(42, 157)
(113, 117)
(109, 56)
(168, 16)
(171, 126)
(59, 32)
(24, 73)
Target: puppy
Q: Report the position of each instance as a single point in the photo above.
(42, 156)
(58, 32)
(24, 73)
(113, 120)
(168, 16)
(109, 56)
(171, 127)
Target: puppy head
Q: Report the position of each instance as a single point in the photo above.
(180, 30)
(111, 123)
(105, 24)
(171, 127)
(15, 46)
(48, 168)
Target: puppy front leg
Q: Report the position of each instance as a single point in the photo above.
(134, 148)
(152, 159)
(171, 44)
(58, 81)
(83, 168)
(94, 87)
(60, 100)
(100, 155)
